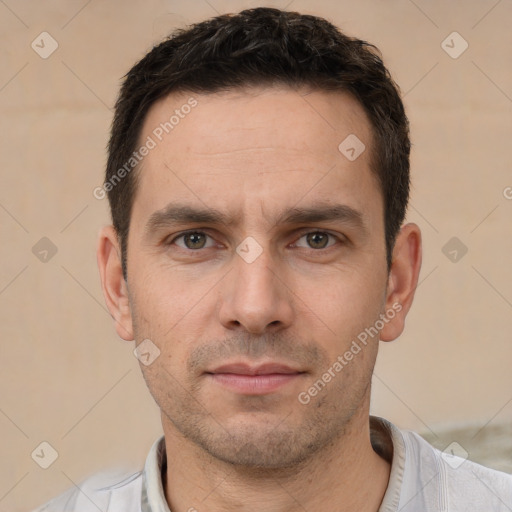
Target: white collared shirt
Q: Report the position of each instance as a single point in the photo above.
(422, 479)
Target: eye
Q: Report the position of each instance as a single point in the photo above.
(316, 240)
(193, 240)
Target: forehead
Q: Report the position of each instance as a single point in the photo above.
(256, 148)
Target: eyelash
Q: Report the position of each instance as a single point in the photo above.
(195, 231)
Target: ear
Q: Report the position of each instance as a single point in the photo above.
(402, 280)
(114, 286)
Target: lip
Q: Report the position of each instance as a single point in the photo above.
(262, 369)
(249, 379)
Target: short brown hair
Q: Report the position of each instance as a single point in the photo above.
(264, 46)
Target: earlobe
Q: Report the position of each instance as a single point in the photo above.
(402, 279)
(115, 290)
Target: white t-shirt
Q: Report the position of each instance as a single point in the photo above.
(422, 479)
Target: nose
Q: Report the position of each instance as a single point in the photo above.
(255, 296)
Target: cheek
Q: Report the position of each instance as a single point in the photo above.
(172, 315)
(346, 300)
(161, 300)
(162, 381)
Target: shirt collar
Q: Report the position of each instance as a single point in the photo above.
(386, 439)
(153, 496)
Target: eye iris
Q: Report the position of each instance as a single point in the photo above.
(317, 240)
(194, 240)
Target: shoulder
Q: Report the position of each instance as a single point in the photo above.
(108, 491)
(457, 481)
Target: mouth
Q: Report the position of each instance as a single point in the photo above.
(249, 379)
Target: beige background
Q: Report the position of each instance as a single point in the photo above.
(67, 379)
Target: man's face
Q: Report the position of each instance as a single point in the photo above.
(290, 275)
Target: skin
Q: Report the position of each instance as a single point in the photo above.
(254, 154)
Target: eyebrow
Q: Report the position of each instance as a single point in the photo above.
(324, 213)
(184, 214)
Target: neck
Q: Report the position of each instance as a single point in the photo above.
(346, 476)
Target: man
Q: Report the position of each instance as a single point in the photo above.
(258, 178)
